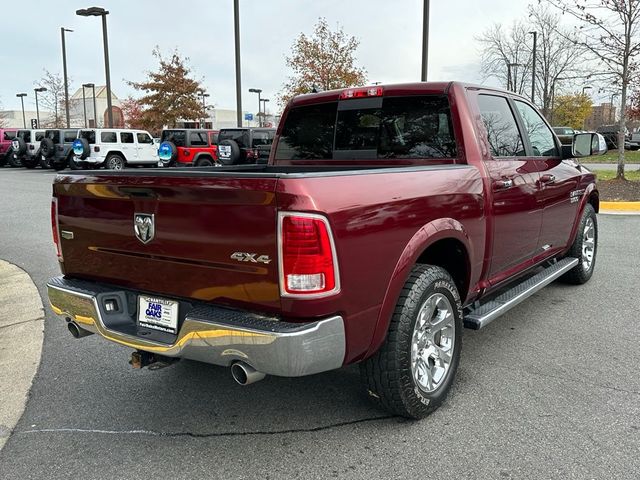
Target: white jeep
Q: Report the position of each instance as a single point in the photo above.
(114, 148)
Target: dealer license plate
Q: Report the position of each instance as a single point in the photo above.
(158, 314)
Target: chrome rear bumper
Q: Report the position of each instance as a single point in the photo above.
(211, 334)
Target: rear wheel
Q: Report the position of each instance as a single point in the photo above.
(115, 162)
(204, 162)
(76, 164)
(31, 162)
(413, 371)
(584, 248)
(14, 161)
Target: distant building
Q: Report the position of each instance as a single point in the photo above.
(603, 114)
(99, 118)
(13, 118)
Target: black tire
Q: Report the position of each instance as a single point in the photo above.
(30, 162)
(47, 148)
(115, 162)
(76, 164)
(582, 272)
(45, 162)
(22, 146)
(58, 165)
(388, 376)
(3, 160)
(229, 156)
(204, 162)
(14, 160)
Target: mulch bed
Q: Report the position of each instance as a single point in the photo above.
(619, 190)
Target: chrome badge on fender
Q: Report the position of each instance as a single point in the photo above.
(250, 257)
(143, 226)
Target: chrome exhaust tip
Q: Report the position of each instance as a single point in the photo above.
(245, 374)
(76, 331)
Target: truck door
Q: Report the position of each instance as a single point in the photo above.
(558, 180)
(517, 215)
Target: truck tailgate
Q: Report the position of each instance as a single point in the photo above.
(198, 226)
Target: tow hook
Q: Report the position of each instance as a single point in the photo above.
(141, 359)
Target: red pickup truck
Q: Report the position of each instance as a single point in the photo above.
(386, 219)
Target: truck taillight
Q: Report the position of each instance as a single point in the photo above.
(54, 227)
(308, 264)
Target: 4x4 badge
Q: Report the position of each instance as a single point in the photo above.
(144, 226)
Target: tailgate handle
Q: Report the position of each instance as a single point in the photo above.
(139, 192)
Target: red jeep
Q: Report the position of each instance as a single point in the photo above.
(189, 147)
(7, 135)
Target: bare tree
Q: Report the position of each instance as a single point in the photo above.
(503, 47)
(609, 32)
(53, 98)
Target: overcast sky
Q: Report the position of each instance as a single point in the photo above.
(389, 31)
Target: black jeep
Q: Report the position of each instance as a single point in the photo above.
(56, 148)
(238, 146)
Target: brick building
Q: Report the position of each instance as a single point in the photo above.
(603, 114)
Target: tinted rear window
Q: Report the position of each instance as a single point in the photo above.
(178, 137)
(25, 135)
(89, 136)
(108, 137)
(392, 127)
(9, 135)
(241, 137)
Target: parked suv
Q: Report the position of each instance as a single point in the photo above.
(56, 148)
(113, 149)
(244, 145)
(6, 148)
(188, 147)
(26, 148)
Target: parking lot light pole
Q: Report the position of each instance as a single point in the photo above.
(64, 70)
(22, 95)
(258, 91)
(84, 107)
(264, 110)
(425, 41)
(36, 90)
(101, 12)
(92, 86)
(203, 95)
(236, 29)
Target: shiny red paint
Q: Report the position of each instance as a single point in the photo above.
(382, 220)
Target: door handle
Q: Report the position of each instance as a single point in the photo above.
(502, 184)
(547, 179)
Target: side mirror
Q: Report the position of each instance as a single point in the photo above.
(587, 144)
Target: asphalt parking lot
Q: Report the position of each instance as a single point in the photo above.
(550, 390)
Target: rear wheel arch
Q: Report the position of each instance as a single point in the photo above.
(431, 245)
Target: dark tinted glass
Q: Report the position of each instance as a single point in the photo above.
(178, 137)
(25, 135)
(198, 139)
(70, 136)
(241, 137)
(261, 138)
(540, 136)
(214, 138)
(9, 135)
(108, 137)
(54, 135)
(89, 136)
(308, 133)
(126, 137)
(502, 130)
(39, 136)
(144, 138)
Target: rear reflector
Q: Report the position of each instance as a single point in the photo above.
(54, 227)
(361, 92)
(308, 265)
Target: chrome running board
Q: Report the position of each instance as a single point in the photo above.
(487, 312)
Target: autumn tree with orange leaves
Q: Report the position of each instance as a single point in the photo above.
(325, 60)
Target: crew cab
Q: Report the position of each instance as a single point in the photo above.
(386, 219)
(113, 149)
(187, 147)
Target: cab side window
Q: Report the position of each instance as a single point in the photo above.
(502, 130)
(126, 137)
(540, 136)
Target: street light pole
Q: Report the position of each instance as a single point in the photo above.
(512, 78)
(425, 40)
(264, 110)
(584, 122)
(258, 91)
(236, 23)
(24, 120)
(101, 12)
(84, 107)
(204, 107)
(611, 116)
(533, 66)
(64, 69)
(36, 90)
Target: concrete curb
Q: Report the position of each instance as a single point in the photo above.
(21, 336)
(620, 208)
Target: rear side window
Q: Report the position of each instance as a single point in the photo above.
(144, 138)
(69, 137)
(9, 135)
(89, 136)
(198, 139)
(241, 137)
(39, 136)
(25, 135)
(54, 135)
(540, 136)
(126, 137)
(108, 137)
(391, 127)
(502, 130)
(213, 138)
(178, 137)
(261, 138)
